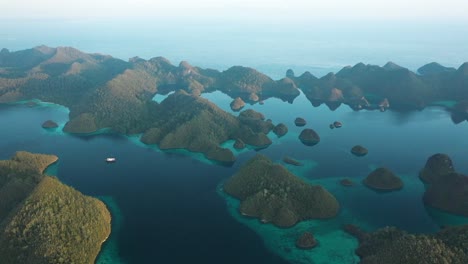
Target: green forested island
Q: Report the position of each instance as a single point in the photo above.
(391, 245)
(43, 220)
(105, 92)
(270, 192)
(194, 123)
(446, 189)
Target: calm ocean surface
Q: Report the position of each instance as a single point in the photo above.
(168, 207)
(315, 46)
(170, 211)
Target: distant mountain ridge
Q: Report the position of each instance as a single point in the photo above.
(105, 92)
(434, 68)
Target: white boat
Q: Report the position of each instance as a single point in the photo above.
(110, 160)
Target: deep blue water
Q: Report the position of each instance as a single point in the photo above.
(171, 208)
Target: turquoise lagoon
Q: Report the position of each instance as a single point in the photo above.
(169, 206)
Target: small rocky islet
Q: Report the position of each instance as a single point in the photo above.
(359, 151)
(336, 124)
(306, 241)
(300, 122)
(383, 179)
(309, 137)
(280, 129)
(49, 124)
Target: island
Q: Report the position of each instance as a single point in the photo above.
(374, 87)
(390, 245)
(383, 179)
(359, 151)
(299, 121)
(446, 189)
(291, 161)
(103, 92)
(436, 167)
(306, 241)
(186, 121)
(309, 137)
(43, 220)
(280, 129)
(336, 124)
(268, 191)
(49, 124)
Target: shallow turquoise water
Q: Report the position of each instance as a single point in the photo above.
(388, 136)
(110, 250)
(335, 246)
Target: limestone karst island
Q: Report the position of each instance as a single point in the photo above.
(105, 160)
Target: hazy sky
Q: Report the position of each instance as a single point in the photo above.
(250, 9)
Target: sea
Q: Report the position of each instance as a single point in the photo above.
(318, 46)
(169, 207)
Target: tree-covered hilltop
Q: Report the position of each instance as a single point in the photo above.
(25, 163)
(104, 92)
(271, 193)
(19, 176)
(44, 221)
(252, 85)
(371, 87)
(446, 189)
(390, 245)
(188, 121)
